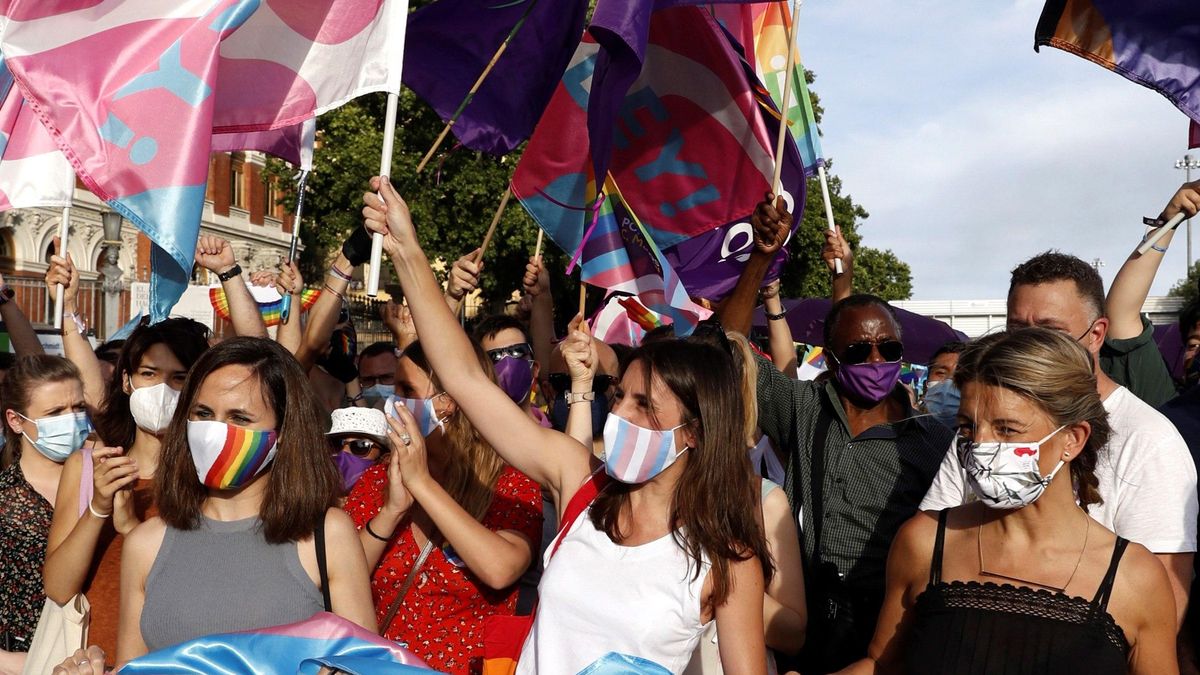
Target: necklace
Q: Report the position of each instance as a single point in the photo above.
(984, 571)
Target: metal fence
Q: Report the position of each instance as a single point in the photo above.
(38, 303)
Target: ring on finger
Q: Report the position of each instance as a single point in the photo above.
(405, 438)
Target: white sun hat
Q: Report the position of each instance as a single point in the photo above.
(356, 421)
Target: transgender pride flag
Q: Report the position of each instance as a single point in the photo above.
(32, 170)
(132, 91)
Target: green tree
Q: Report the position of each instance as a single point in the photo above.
(1188, 288)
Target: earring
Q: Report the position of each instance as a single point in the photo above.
(1066, 455)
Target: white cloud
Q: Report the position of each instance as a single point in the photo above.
(972, 153)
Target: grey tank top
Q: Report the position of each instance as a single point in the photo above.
(223, 577)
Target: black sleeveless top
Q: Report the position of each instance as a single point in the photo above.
(1001, 629)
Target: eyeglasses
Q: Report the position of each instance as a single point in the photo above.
(600, 382)
(359, 448)
(387, 379)
(859, 352)
(521, 350)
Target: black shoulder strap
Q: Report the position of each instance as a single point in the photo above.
(322, 564)
(1105, 591)
(939, 543)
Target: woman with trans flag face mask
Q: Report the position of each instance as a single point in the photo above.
(659, 538)
(45, 422)
(1022, 579)
(444, 497)
(247, 502)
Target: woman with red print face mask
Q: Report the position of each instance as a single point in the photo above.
(247, 501)
(670, 540)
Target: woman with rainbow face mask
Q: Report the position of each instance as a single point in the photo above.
(671, 539)
(247, 502)
(1021, 580)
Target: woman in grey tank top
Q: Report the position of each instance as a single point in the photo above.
(244, 483)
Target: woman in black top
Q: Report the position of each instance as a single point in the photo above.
(1021, 580)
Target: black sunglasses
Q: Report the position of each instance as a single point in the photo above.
(710, 331)
(562, 382)
(359, 448)
(859, 352)
(521, 350)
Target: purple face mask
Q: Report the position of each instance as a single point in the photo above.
(515, 376)
(351, 467)
(868, 381)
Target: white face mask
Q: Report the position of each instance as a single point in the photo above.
(1006, 475)
(153, 407)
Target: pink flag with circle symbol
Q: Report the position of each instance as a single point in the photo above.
(133, 91)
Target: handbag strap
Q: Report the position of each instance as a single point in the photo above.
(322, 564)
(584, 496)
(408, 582)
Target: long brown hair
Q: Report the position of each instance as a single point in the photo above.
(26, 373)
(714, 512)
(303, 483)
(473, 466)
(1055, 373)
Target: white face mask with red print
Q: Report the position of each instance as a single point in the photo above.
(1006, 475)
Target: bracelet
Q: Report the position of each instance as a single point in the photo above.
(332, 290)
(80, 325)
(585, 397)
(1155, 247)
(235, 271)
(333, 269)
(775, 317)
(6, 294)
(99, 515)
(372, 533)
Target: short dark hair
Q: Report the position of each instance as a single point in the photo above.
(952, 347)
(1189, 316)
(303, 483)
(377, 348)
(658, 334)
(1054, 266)
(110, 351)
(853, 302)
(492, 324)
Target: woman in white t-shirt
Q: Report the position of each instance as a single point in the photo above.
(673, 539)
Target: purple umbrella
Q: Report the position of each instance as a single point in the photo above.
(1170, 344)
(922, 335)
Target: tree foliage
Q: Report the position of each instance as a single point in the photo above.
(1188, 288)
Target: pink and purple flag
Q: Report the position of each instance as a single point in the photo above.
(1193, 135)
(133, 92)
(450, 42)
(1155, 43)
(304, 647)
(33, 172)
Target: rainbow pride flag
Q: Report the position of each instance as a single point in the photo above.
(271, 309)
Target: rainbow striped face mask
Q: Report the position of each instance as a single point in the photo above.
(228, 457)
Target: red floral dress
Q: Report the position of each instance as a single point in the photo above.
(441, 619)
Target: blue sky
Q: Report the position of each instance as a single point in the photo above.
(972, 152)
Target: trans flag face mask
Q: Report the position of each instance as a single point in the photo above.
(634, 454)
(421, 409)
(1006, 475)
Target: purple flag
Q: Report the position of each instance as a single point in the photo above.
(450, 42)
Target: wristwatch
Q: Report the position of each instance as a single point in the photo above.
(6, 294)
(573, 398)
(235, 271)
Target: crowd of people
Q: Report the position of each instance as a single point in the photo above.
(684, 506)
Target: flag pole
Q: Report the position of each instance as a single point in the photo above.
(286, 310)
(385, 169)
(537, 251)
(64, 227)
(784, 105)
(837, 262)
(487, 238)
(582, 295)
(487, 70)
(1159, 233)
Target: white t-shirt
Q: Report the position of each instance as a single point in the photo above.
(599, 597)
(1146, 474)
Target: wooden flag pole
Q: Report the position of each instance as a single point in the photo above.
(487, 238)
(385, 169)
(537, 251)
(582, 295)
(487, 70)
(784, 105)
(63, 228)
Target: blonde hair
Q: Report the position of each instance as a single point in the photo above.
(1052, 371)
(747, 367)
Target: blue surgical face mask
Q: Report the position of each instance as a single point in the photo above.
(61, 435)
(559, 410)
(377, 393)
(421, 408)
(941, 401)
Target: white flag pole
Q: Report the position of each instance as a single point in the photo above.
(1160, 233)
(385, 168)
(63, 227)
(837, 263)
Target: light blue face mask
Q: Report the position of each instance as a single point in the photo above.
(377, 393)
(61, 435)
(941, 401)
(421, 409)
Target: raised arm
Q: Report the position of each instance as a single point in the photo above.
(398, 320)
(781, 343)
(76, 347)
(216, 255)
(552, 459)
(463, 278)
(20, 332)
(771, 225)
(1132, 284)
(835, 249)
(290, 282)
(541, 314)
(323, 317)
(579, 351)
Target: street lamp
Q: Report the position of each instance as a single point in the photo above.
(111, 271)
(1187, 164)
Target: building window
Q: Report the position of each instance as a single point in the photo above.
(237, 183)
(271, 191)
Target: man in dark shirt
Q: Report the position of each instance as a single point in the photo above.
(859, 458)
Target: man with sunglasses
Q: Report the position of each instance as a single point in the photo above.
(859, 457)
(1146, 475)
